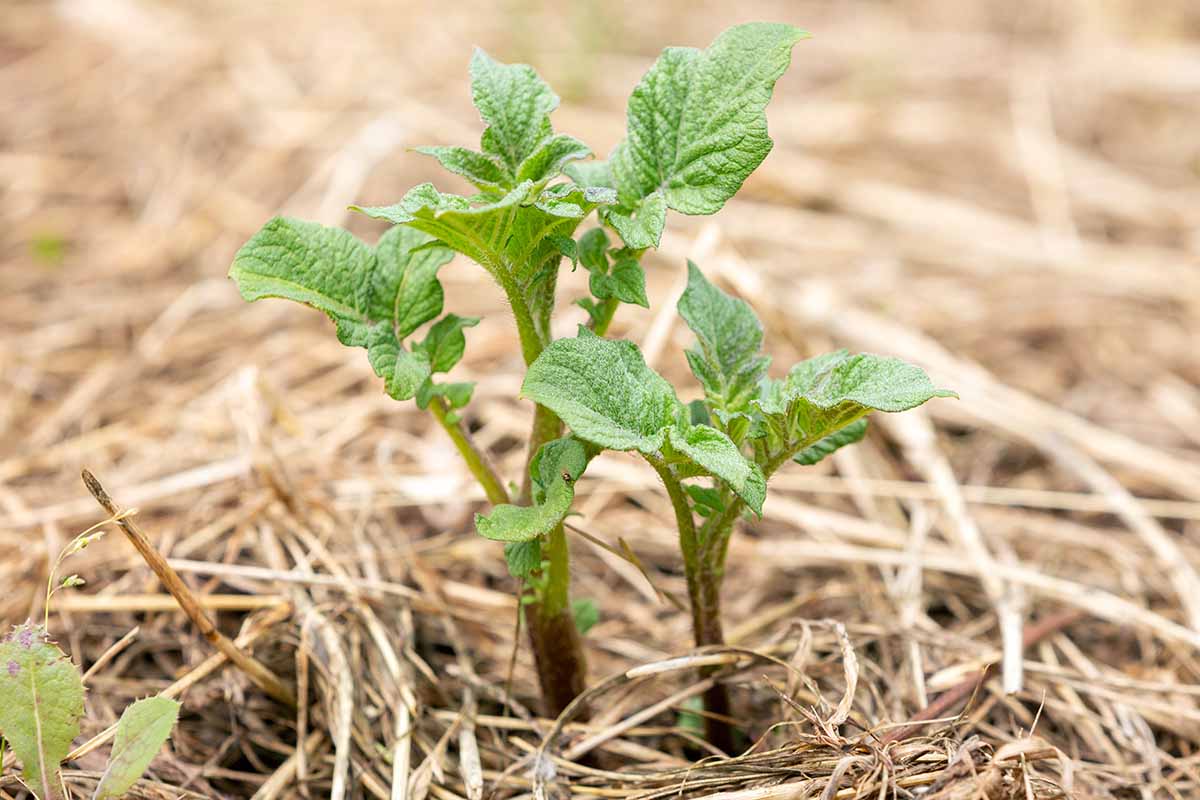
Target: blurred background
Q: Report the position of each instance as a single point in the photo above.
(1004, 193)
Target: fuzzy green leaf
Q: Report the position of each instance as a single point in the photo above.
(403, 372)
(825, 394)
(326, 268)
(627, 283)
(523, 558)
(405, 281)
(717, 455)
(591, 174)
(642, 225)
(445, 342)
(554, 470)
(41, 702)
(483, 171)
(141, 731)
(515, 104)
(851, 434)
(456, 394)
(355, 285)
(729, 336)
(477, 231)
(551, 155)
(603, 389)
(696, 122)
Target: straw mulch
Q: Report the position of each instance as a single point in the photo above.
(1003, 193)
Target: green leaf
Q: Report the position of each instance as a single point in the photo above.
(551, 155)
(403, 372)
(456, 394)
(523, 558)
(445, 342)
(141, 732)
(483, 171)
(554, 470)
(586, 614)
(326, 268)
(716, 453)
(405, 280)
(851, 434)
(515, 104)
(41, 702)
(729, 336)
(696, 122)
(627, 283)
(826, 394)
(590, 174)
(603, 389)
(642, 225)
(477, 231)
(593, 250)
(705, 500)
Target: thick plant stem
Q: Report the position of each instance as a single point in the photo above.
(557, 646)
(704, 593)
(477, 462)
(553, 636)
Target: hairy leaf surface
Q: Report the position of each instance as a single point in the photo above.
(729, 336)
(515, 104)
(696, 126)
(825, 394)
(554, 469)
(41, 702)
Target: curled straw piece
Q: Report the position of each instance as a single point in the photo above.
(259, 674)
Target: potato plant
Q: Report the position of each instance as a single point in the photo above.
(696, 129)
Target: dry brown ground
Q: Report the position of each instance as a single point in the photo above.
(1005, 193)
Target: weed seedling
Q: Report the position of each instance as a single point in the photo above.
(696, 130)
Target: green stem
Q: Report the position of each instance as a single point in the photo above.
(608, 308)
(557, 646)
(704, 592)
(477, 461)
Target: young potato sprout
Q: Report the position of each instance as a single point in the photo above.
(696, 129)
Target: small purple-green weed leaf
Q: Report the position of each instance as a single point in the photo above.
(515, 104)
(727, 359)
(696, 126)
(851, 434)
(141, 732)
(41, 702)
(585, 613)
(484, 172)
(717, 455)
(554, 469)
(523, 558)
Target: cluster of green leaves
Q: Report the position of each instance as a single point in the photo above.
(41, 703)
(746, 427)
(696, 129)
